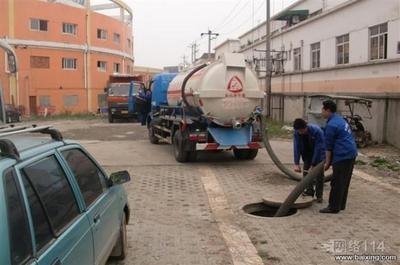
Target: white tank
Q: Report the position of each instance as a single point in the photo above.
(226, 91)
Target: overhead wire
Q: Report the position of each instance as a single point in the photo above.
(247, 19)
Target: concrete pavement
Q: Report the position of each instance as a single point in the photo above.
(192, 213)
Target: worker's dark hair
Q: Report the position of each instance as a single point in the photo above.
(329, 105)
(299, 124)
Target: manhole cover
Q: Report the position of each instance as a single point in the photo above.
(262, 210)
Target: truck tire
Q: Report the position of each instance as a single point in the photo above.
(252, 153)
(110, 118)
(153, 139)
(192, 156)
(245, 154)
(180, 154)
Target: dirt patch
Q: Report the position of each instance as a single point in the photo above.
(380, 160)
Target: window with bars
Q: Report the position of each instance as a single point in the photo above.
(117, 68)
(342, 49)
(38, 24)
(315, 55)
(40, 62)
(297, 59)
(101, 66)
(44, 101)
(102, 34)
(69, 28)
(378, 42)
(116, 38)
(69, 63)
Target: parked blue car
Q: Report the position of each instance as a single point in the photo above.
(57, 205)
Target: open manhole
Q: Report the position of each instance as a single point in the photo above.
(262, 210)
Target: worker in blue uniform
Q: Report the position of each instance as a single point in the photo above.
(144, 98)
(308, 144)
(341, 153)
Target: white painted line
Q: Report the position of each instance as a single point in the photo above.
(242, 250)
(370, 178)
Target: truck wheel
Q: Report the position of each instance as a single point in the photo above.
(251, 154)
(240, 154)
(180, 154)
(192, 156)
(110, 118)
(245, 154)
(153, 139)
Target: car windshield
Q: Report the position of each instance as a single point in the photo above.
(123, 89)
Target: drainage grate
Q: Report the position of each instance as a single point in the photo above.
(262, 210)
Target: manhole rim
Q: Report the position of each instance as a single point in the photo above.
(266, 217)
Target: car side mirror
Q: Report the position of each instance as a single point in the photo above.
(119, 177)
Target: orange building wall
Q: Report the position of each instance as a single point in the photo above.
(55, 81)
(3, 18)
(55, 14)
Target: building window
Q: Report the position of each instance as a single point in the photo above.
(297, 59)
(71, 101)
(116, 38)
(69, 28)
(44, 101)
(378, 42)
(315, 55)
(69, 63)
(101, 66)
(342, 49)
(38, 24)
(117, 68)
(102, 34)
(129, 43)
(40, 62)
(128, 69)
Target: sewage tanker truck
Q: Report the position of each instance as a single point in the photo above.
(209, 107)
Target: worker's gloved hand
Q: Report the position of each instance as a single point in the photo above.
(327, 166)
(297, 168)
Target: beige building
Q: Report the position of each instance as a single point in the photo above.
(345, 47)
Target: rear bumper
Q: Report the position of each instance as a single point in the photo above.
(216, 146)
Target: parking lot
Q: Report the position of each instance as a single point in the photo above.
(192, 213)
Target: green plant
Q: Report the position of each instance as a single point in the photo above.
(383, 164)
(275, 129)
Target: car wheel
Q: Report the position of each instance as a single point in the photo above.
(120, 249)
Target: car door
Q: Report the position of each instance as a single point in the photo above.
(101, 203)
(16, 248)
(61, 229)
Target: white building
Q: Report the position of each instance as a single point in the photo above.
(344, 47)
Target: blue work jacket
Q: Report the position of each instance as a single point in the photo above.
(316, 137)
(339, 139)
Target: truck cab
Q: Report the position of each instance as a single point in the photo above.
(121, 94)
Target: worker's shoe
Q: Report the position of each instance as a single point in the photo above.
(308, 193)
(328, 210)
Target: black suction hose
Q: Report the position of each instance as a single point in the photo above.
(288, 172)
(185, 81)
(296, 192)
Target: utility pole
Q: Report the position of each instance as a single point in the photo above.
(268, 64)
(210, 34)
(194, 50)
